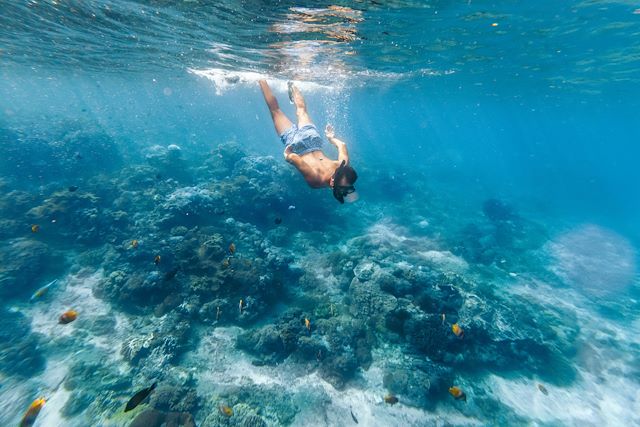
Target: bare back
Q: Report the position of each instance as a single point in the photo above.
(319, 169)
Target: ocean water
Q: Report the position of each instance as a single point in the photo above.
(496, 145)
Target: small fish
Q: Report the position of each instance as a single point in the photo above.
(43, 290)
(72, 188)
(292, 207)
(457, 330)
(319, 355)
(226, 263)
(353, 417)
(543, 389)
(139, 397)
(29, 417)
(391, 399)
(218, 313)
(134, 243)
(68, 317)
(457, 393)
(278, 220)
(232, 248)
(225, 410)
(307, 324)
(332, 310)
(240, 306)
(443, 318)
(157, 260)
(35, 228)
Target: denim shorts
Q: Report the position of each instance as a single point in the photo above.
(304, 140)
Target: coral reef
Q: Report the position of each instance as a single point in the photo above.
(95, 387)
(189, 205)
(185, 247)
(20, 353)
(136, 289)
(505, 240)
(337, 347)
(252, 405)
(175, 399)
(160, 346)
(417, 380)
(222, 160)
(69, 150)
(168, 162)
(155, 418)
(23, 263)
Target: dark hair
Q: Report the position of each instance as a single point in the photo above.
(343, 179)
(347, 177)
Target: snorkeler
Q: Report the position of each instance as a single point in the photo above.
(303, 147)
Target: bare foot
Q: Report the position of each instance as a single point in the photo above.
(290, 88)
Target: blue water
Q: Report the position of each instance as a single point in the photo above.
(496, 148)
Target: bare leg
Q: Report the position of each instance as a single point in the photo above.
(280, 120)
(301, 108)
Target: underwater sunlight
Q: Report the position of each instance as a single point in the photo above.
(319, 213)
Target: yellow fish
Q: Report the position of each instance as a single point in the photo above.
(457, 330)
(232, 248)
(39, 293)
(307, 324)
(157, 259)
(35, 228)
(68, 317)
(391, 399)
(227, 411)
(29, 417)
(43, 290)
(240, 306)
(134, 244)
(457, 393)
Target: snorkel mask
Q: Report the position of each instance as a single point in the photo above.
(343, 192)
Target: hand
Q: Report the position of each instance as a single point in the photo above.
(329, 132)
(288, 150)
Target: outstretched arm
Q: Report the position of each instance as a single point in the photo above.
(343, 154)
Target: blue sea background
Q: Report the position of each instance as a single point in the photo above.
(567, 156)
(441, 110)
